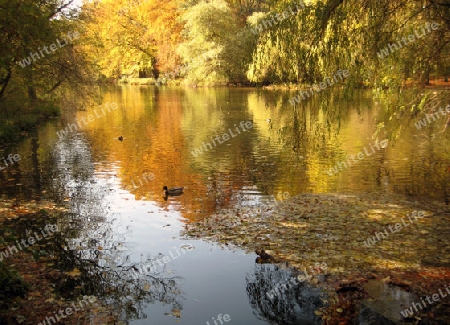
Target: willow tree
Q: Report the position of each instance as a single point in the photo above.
(215, 47)
(244, 8)
(334, 34)
(285, 50)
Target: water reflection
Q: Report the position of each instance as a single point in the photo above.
(276, 294)
(119, 219)
(97, 245)
(291, 153)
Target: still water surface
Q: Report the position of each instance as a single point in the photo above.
(114, 189)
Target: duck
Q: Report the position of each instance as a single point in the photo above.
(263, 257)
(173, 191)
(120, 138)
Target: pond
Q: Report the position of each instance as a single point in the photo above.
(228, 148)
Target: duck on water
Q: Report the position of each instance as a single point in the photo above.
(173, 191)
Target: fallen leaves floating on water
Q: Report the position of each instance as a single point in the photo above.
(36, 267)
(333, 229)
(176, 313)
(75, 272)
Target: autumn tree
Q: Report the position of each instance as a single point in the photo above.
(215, 48)
(40, 61)
(334, 34)
(132, 38)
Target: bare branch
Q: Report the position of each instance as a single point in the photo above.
(60, 9)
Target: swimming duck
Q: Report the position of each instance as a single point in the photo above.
(173, 191)
(120, 138)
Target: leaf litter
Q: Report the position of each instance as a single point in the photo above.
(38, 270)
(334, 229)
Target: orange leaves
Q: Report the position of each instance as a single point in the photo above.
(132, 35)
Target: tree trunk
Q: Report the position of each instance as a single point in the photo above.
(425, 78)
(30, 87)
(5, 82)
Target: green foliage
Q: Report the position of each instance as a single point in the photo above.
(26, 121)
(329, 35)
(215, 48)
(33, 75)
(8, 131)
(271, 41)
(49, 109)
(218, 41)
(22, 115)
(283, 52)
(422, 102)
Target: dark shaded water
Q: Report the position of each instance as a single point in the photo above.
(113, 189)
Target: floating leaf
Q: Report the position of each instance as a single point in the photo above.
(75, 272)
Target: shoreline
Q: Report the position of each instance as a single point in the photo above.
(440, 85)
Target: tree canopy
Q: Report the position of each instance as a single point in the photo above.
(382, 43)
(38, 52)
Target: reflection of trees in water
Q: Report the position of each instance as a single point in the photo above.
(73, 171)
(313, 123)
(422, 169)
(89, 240)
(291, 302)
(122, 287)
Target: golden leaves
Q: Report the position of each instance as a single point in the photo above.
(327, 228)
